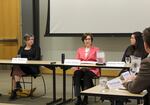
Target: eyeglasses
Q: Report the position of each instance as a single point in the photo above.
(87, 39)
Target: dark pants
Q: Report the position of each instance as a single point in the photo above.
(120, 102)
(30, 70)
(82, 80)
(146, 99)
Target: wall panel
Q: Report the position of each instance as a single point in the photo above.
(10, 28)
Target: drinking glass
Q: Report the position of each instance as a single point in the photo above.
(127, 60)
(100, 57)
(135, 64)
(103, 82)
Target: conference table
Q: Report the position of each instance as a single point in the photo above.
(67, 66)
(52, 65)
(114, 94)
(48, 64)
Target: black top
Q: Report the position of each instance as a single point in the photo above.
(131, 50)
(33, 54)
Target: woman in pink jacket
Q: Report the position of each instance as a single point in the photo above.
(83, 76)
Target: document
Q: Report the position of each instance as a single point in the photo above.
(127, 76)
(115, 83)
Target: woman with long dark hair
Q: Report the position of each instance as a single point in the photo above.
(136, 48)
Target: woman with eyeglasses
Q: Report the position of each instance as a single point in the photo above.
(31, 52)
(83, 76)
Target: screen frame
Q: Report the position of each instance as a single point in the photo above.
(48, 34)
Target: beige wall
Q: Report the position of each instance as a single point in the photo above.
(52, 47)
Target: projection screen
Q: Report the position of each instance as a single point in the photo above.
(98, 16)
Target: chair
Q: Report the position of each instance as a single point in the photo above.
(94, 79)
(32, 89)
(30, 82)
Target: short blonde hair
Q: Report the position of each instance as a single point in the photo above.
(27, 37)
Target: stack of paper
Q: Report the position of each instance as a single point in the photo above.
(115, 83)
(127, 76)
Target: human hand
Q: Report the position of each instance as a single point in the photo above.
(130, 78)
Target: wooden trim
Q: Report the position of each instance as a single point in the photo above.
(8, 39)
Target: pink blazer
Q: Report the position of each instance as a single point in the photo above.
(90, 57)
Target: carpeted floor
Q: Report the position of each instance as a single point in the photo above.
(5, 86)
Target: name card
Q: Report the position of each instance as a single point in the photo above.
(115, 64)
(19, 60)
(88, 62)
(115, 83)
(72, 61)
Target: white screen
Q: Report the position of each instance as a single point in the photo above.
(99, 16)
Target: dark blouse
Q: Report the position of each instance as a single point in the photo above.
(135, 52)
(33, 54)
(132, 51)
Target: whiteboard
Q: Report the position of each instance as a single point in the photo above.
(99, 16)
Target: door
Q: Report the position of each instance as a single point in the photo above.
(10, 28)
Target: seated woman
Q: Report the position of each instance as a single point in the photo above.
(83, 76)
(30, 52)
(136, 48)
(140, 82)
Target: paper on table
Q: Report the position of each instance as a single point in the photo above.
(88, 62)
(19, 60)
(72, 61)
(115, 64)
(78, 62)
(115, 83)
(126, 75)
